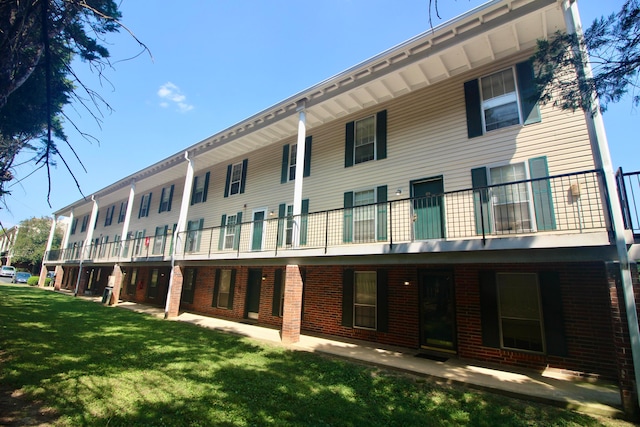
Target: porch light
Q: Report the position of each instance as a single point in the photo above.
(398, 191)
(575, 190)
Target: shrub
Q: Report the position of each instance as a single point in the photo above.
(33, 281)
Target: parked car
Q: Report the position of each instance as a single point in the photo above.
(21, 277)
(7, 271)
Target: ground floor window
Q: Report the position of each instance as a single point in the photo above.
(188, 285)
(364, 298)
(131, 284)
(224, 288)
(520, 311)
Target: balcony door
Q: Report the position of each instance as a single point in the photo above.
(257, 229)
(428, 219)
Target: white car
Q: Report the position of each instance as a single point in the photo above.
(7, 271)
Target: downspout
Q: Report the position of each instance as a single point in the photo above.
(602, 156)
(298, 184)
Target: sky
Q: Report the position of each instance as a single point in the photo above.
(213, 63)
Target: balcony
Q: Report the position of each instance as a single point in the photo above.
(563, 210)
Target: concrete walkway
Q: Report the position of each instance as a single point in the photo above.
(594, 397)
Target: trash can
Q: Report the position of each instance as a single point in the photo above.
(106, 295)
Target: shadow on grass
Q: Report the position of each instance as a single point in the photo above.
(96, 366)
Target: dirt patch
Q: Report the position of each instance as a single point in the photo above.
(16, 410)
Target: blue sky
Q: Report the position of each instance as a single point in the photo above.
(215, 63)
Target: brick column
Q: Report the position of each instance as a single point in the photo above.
(622, 344)
(43, 276)
(172, 309)
(57, 278)
(83, 278)
(292, 310)
(115, 280)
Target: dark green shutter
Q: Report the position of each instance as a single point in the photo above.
(481, 200)
(382, 212)
(149, 204)
(349, 145)
(542, 197)
(382, 301)
(193, 190)
(216, 288)
(347, 227)
(161, 199)
(552, 313)
(304, 221)
(227, 183)
(232, 288)
(473, 107)
(347, 297)
(223, 223)
(284, 172)
(200, 231)
(277, 292)
(307, 157)
(381, 135)
(282, 212)
(95, 224)
(205, 189)
(170, 197)
(528, 96)
(490, 322)
(243, 180)
(236, 237)
(139, 210)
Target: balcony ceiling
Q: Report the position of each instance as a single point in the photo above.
(493, 31)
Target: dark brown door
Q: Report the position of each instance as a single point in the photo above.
(437, 311)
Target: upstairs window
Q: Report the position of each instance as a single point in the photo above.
(166, 197)
(236, 178)
(85, 222)
(290, 160)
(145, 205)
(74, 225)
(366, 139)
(109, 217)
(200, 189)
(123, 212)
(499, 100)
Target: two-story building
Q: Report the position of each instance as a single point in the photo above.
(421, 198)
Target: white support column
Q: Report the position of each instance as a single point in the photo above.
(43, 269)
(178, 232)
(91, 225)
(67, 234)
(297, 189)
(602, 156)
(127, 216)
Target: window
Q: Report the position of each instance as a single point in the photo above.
(224, 289)
(510, 202)
(188, 285)
(139, 239)
(116, 245)
(230, 232)
(200, 189)
(145, 204)
(365, 215)
(108, 219)
(127, 243)
(286, 223)
(366, 139)
(123, 212)
(74, 225)
(194, 231)
(152, 292)
(166, 198)
(85, 222)
(290, 159)
(364, 299)
(501, 99)
(131, 284)
(289, 226)
(159, 240)
(236, 178)
(520, 311)
(104, 241)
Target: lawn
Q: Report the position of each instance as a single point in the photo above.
(67, 361)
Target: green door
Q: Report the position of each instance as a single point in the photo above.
(253, 293)
(428, 220)
(258, 227)
(437, 311)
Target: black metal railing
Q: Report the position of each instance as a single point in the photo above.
(563, 203)
(629, 193)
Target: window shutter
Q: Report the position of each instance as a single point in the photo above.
(542, 198)
(528, 96)
(347, 227)
(282, 211)
(349, 146)
(243, 181)
(382, 302)
(216, 288)
(227, 183)
(381, 194)
(277, 293)
(473, 107)
(236, 238)
(223, 223)
(205, 189)
(161, 199)
(193, 190)
(347, 297)
(200, 231)
(170, 197)
(381, 135)
(284, 172)
(552, 313)
(149, 204)
(141, 207)
(95, 224)
(489, 309)
(304, 221)
(307, 156)
(232, 287)
(481, 200)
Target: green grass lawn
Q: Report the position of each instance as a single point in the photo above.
(90, 365)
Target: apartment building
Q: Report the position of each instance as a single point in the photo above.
(420, 199)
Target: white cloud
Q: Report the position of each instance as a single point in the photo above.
(170, 94)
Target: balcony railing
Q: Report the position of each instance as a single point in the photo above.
(558, 204)
(629, 193)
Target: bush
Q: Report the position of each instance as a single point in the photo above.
(33, 280)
